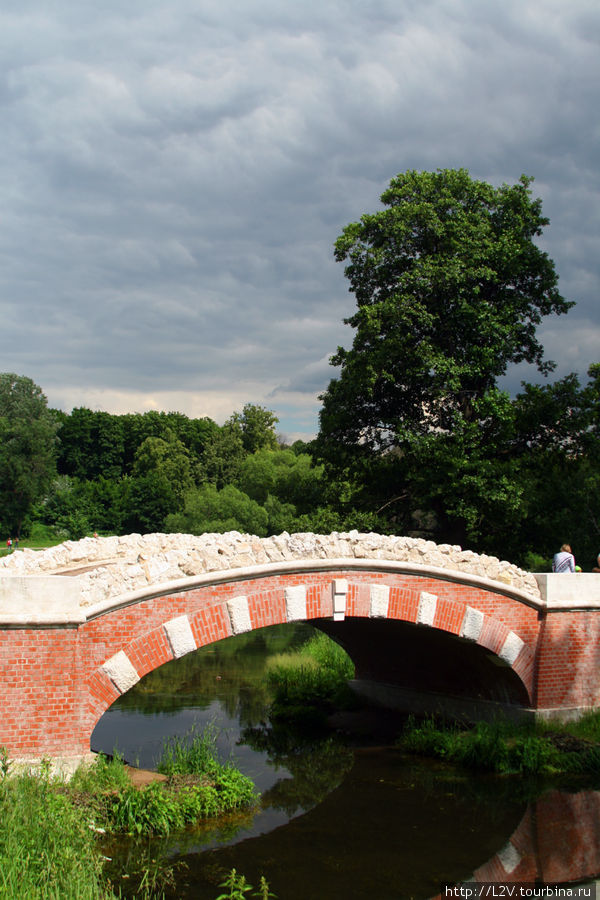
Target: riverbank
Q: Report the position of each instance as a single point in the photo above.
(509, 748)
(50, 829)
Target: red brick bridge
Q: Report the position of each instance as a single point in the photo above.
(426, 624)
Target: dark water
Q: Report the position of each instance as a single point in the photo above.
(350, 819)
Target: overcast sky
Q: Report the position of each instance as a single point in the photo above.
(174, 175)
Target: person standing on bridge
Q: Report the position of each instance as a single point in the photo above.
(563, 561)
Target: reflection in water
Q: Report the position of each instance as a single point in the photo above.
(557, 841)
(334, 822)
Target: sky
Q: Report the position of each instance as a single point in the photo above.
(174, 176)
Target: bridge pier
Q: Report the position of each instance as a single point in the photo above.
(421, 629)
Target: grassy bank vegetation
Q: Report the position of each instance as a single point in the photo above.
(506, 748)
(49, 829)
(310, 681)
(47, 848)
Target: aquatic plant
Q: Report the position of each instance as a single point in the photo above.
(239, 887)
(192, 754)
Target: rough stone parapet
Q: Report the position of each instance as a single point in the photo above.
(116, 565)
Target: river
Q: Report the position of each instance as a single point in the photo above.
(347, 816)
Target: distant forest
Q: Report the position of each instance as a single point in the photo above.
(116, 474)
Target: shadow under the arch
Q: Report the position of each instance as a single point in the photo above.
(424, 670)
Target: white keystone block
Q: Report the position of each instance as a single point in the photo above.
(380, 601)
(472, 624)
(295, 603)
(511, 648)
(180, 637)
(427, 607)
(239, 613)
(339, 587)
(121, 671)
(509, 858)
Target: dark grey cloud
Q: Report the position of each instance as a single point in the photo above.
(174, 177)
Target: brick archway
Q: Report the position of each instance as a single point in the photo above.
(65, 660)
(183, 622)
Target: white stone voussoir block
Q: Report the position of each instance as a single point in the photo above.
(239, 613)
(511, 648)
(472, 624)
(339, 589)
(295, 603)
(427, 608)
(509, 858)
(180, 636)
(380, 601)
(121, 671)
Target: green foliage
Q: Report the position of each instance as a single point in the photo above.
(91, 444)
(256, 426)
(193, 754)
(505, 748)
(223, 456)
(329, 655)
(238, 888)
(95, 444)
(150, 499)
(27, 448)
(199, 787)
(450, 286)
(288, 476)
(168, 458)
(311, 679)
(47, 849)
(224, 787)
(103, 776)
(208, 509)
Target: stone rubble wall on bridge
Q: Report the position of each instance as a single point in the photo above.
(118, 565)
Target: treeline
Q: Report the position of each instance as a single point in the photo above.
(166, 472)
(90, 471)
(520, 483)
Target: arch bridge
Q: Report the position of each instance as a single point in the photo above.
(426, 625)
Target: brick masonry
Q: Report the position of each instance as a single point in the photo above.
(58, 681)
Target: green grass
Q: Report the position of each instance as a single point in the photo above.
(587, 728)
(47, 849)
(40, 537)
(49, 829)
(506, 748)
(310, 681)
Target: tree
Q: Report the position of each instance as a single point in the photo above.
(450, 287)
(257, 427)
(168, 458)
(223, 456)
(27, 447)
(284, 474)
(91, 444)
(210, 510)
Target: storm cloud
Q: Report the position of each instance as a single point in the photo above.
(175, 175)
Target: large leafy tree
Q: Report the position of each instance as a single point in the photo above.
(450, 287)
(27, 448)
